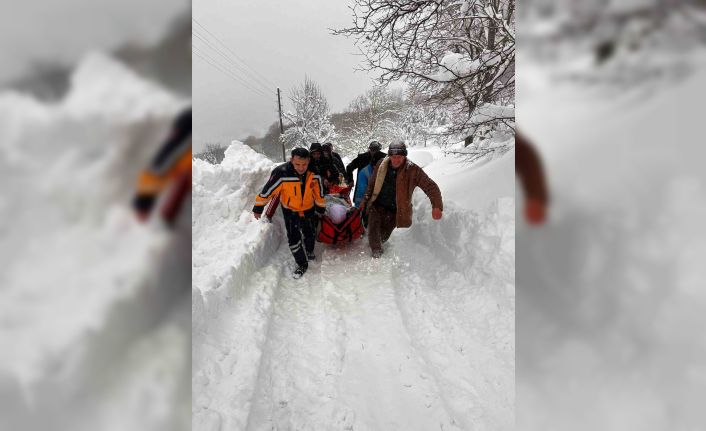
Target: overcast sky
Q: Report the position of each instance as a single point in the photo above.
(41, 30)
(283, 41)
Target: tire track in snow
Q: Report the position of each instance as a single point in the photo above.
(301, 357)
(384, 376)
(364, 344)
(338, 356)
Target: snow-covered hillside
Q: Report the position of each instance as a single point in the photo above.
(610, 293)
(420, 339)
(94, 315)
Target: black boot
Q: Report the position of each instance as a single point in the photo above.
(301, 269)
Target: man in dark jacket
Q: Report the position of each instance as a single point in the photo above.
(301, 195)
(364, 159)
(364, 163)
(334, 157)
(389, 196)
(322, 166)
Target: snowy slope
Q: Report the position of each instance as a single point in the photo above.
(611, 291)
(472, 189)
(421, 339)
(91, 317)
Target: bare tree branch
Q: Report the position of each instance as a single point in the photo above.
(456, 54)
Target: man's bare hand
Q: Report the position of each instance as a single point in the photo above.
(436, 213)
(257, 216)
(535, 212)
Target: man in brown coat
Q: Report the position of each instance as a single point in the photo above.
(529, 168)
(389, 195)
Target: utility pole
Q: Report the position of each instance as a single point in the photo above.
(281, 127)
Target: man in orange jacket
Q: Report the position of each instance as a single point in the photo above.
(301, 195)
(170, 169)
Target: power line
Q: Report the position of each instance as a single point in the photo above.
(227, 72)
(264, 79)
(245, 73)
(239, 68)
(228, 59)
(245, 63)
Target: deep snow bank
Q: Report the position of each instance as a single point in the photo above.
(228, 243)
(470, 186)
(83, 286)
(610, 289)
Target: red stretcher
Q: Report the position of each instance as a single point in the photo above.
(347, 231)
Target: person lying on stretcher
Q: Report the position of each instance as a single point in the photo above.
(337, 208)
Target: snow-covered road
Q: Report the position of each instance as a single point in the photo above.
(420, 339)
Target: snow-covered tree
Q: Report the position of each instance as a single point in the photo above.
(372, 117)
(213, 153)
(310, 121)
(419, 124)
(458, 54)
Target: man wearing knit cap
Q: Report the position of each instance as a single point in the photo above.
(322, 166)
(389, 195)
(329, 154)
(364, 163)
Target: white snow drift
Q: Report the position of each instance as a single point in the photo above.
(611, 291)
(93, 329)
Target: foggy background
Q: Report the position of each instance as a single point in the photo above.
(279, 43)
